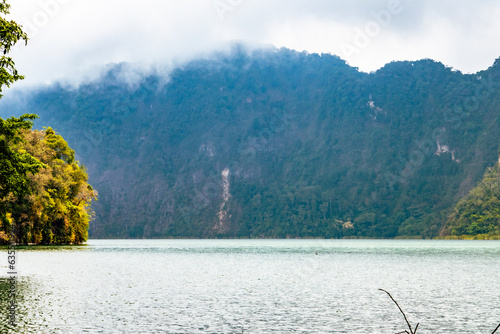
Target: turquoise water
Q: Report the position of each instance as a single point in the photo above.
(257, 286)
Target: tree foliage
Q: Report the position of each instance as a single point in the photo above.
(479, 211)
(44, 194)
(55, 209)
(10, 34)
(15, 166)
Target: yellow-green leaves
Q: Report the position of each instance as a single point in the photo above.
(57, 209)
(479, 212)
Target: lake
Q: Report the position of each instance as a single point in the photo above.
(257, 286)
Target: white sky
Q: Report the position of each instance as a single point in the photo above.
(73, 39)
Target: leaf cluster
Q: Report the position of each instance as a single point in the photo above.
(10, 34)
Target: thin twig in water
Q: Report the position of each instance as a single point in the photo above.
(408, 323)
(404, 315)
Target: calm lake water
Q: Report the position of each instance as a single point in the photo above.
(257, 286)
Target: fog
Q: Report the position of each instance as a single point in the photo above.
(71, 40)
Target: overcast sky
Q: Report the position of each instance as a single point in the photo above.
(72, 39)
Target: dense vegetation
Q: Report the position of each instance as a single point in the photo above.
(44, 195)
(15, 166)
(479, 212)
(311, 147)
(48, 200)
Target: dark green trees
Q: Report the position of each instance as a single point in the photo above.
(14, 165)
(14, 168)
(315, 148)
(10, 34)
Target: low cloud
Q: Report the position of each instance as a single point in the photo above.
(72, 39)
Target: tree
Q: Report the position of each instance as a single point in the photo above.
(43, 190)
(14, 166)
(57, 210)
(10, 34)
(479, 211)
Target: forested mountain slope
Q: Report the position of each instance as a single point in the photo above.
(277, 143)
(478, 214)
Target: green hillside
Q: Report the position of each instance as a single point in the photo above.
(478, 214)
(277, 143)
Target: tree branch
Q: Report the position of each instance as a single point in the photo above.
(408, 323)
(404, 315)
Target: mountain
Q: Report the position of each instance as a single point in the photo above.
(276, 143)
